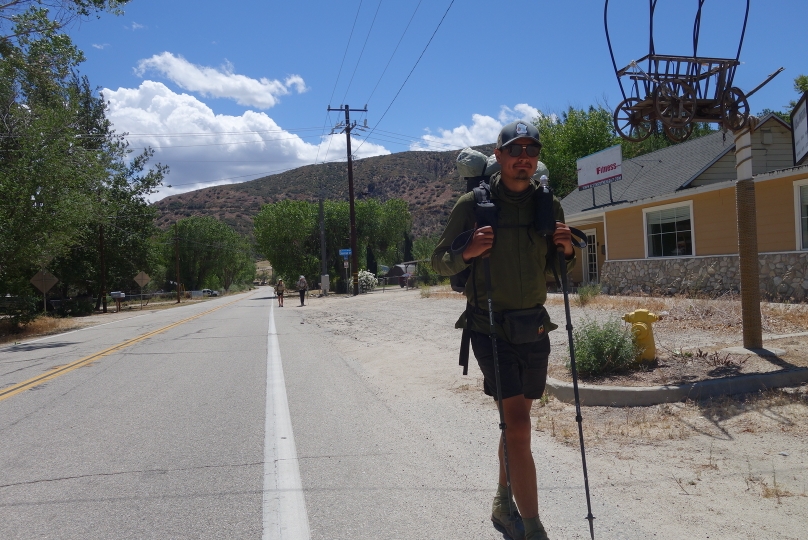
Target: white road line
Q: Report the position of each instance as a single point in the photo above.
(284, 507)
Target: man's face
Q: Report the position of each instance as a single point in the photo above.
(520, 168)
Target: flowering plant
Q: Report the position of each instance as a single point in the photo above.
(367, 281)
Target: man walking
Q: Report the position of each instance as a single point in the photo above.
(519, 260)
(280, 288)
(302, 287)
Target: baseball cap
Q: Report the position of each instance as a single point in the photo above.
(517, 130)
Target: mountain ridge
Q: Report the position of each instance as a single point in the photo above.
(427, 181)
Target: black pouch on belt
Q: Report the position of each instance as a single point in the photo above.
(524, 325)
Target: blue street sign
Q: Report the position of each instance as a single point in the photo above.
(345, 252)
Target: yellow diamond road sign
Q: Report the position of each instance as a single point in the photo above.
(142, 279)
(44, 280)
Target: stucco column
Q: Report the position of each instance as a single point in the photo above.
(747, 238)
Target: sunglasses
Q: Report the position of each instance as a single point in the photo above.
(515, 150)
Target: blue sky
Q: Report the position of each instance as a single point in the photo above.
(229, 92)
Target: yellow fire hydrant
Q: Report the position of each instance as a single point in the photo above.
(641, 320)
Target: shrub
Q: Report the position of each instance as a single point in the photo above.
(587, 292)
(602, 349)
(367, 281)
(19, 310)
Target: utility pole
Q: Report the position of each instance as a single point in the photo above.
(103, 268)
(177, 259)
(348, 127)
(323, 269)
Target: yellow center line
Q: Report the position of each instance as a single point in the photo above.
(6, 393)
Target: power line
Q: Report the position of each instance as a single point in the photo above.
(394, 51)
(362, 51)
(347, 45)
(411, 71)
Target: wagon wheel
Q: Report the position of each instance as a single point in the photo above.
(630, 123)
(734, 109)
(675, 103)
(678, 134)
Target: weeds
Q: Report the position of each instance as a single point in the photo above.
(774, 491)
(41, 326)
(602, 349)
(586, 293)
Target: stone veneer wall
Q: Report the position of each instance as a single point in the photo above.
(783, 276)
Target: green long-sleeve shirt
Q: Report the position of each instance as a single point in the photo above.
(518, 257)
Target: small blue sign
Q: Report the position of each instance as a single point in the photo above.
(345, 252)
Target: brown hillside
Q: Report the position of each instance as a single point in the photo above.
(428, 181)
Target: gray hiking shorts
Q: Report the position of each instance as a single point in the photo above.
(522, 368)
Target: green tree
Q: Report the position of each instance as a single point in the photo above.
(572, 135)
(20, 18)
(287, 233)
(47, 178)
(211, 254)
(800, 86)
(577, 133)
(422, 249)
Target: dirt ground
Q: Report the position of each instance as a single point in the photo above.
(731, 468)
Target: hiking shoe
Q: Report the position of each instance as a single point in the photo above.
(513, 527)
(534, 530)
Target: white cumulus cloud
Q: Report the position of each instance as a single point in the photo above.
(262, 93)
(483, 129)
(204, 149)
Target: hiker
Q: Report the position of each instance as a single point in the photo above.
(280, 288)
(518, 261)
(302, 287)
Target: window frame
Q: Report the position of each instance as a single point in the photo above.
(649, 209)
(798, 184)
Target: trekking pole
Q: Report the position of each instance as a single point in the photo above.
(578, 418)
(502, 426)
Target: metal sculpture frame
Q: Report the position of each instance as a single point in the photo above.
(679, 91)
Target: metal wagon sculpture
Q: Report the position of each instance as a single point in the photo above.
(679, 91)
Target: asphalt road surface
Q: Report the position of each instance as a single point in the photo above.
(233, 418)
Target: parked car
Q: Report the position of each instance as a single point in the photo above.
(207, 292)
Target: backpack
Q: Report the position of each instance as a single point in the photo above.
(486, 214)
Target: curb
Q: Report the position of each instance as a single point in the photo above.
(635, 396)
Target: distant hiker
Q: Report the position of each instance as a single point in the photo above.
(302, 287)
(518, 261)
(280, 288)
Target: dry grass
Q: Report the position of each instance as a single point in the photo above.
(677, 421)
(786, 316)
(47, 325)
(723, 312)
(708, 313)
(440, 291)
(42, 326)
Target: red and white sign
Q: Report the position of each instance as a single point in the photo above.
(600, 168)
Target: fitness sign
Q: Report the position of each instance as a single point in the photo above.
(600, 168)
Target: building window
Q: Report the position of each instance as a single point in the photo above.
(669, 232)
(804, 215)
(590, 263)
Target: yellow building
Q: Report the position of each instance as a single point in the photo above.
(670, 225)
